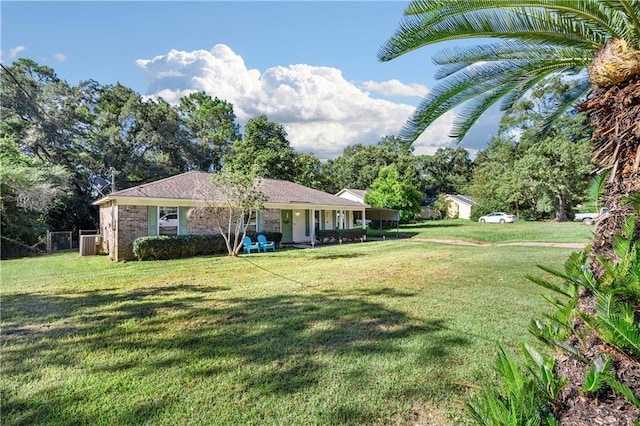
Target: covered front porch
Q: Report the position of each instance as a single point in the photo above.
(301, 225)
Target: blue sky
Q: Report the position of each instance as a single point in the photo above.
(309, 65)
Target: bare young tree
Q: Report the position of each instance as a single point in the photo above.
(231, 199)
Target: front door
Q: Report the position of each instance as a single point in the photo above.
(299, 226)
(286, 219)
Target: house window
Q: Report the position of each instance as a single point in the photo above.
(250, 221)
(168, 221)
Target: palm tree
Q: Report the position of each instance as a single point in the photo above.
(537, 40)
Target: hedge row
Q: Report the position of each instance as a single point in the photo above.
(334, 235)
(177, 246)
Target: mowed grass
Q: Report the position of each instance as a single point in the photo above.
(466, 230)
(394, 332)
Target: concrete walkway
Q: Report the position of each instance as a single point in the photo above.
(578, 246)
(519, 243)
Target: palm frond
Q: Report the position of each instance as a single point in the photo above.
(563, 290)
(597, 374)
(510, 50)
(482, 19)
(597, 188)
(481, 85)
(633, 201)
(625, 391)
(616, 324)
(558, 36)
(629, 17)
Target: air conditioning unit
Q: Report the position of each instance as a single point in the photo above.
(89, 244)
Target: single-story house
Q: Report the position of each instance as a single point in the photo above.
(460, 206)
(376, 216)
(169, 207)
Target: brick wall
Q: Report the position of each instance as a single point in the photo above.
(132, 223)
(272, 220)
(200, 222)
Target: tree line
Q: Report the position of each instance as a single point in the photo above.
(60, 145)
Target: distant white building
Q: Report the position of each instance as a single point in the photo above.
(460, 206)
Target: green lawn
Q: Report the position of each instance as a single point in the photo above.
(389, 332)
(460, 229)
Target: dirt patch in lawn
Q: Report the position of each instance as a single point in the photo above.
(519, 243)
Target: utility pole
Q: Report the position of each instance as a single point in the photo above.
(113, 178)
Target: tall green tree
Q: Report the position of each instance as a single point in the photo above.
(447, 171)
(538, 39)
(29, 188)
(211, 128)
(537, 177)
(495, 184)
(558, 167)
(140, 139)
(359, 164)
(49, 121)
(390, 191)
(264, 151)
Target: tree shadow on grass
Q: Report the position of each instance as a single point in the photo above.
(277, 344)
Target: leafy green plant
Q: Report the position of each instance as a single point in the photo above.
(615, 323)
(597, 374)
(548, 381)
(602, 372)
(517, 397)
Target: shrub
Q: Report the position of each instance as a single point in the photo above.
(177, 246)
(335, 234)
(12, 249)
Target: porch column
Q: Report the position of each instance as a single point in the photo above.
(364, 219)
(313, 225)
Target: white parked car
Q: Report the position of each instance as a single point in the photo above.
(498, 217)
(170, 219)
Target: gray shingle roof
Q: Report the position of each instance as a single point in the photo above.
(359, 192)
(463, 199)
(185, 187)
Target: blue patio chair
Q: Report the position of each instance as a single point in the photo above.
(264, 244)
(249, 245)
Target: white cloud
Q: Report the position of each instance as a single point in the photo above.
(16, 51)
(395, 88)
(61, 57)
(322, 112)
(12, 53)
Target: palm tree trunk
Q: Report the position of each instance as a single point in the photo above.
(614, 113)
(610, 223)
